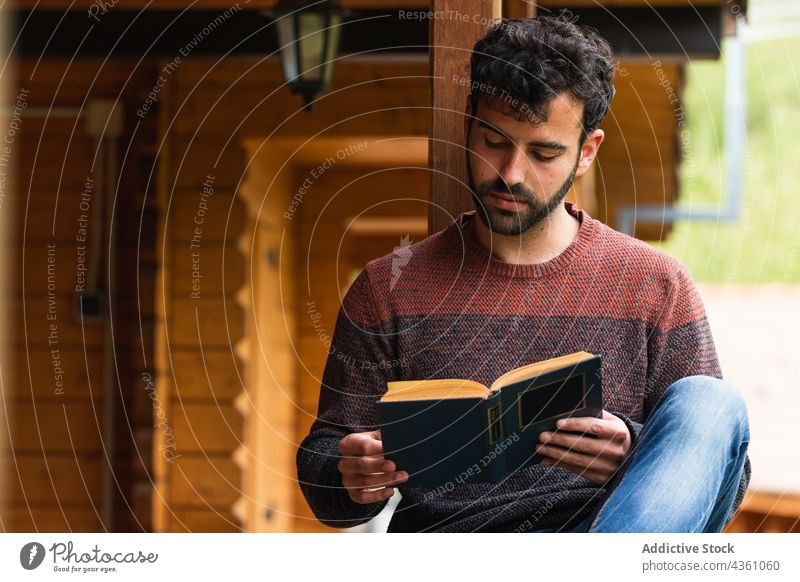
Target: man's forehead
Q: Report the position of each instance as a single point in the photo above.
(564, 115)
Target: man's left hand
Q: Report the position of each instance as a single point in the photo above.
(595, 459)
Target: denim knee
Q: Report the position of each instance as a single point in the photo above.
(705, 403)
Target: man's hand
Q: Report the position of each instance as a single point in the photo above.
(365, 473)
(596, 459)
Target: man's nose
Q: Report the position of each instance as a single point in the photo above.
(514, 168)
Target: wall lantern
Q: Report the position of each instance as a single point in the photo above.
(308, 36)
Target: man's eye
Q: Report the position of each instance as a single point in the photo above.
(495, 144)
(542, 158)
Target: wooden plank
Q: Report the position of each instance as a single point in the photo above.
(69, 257)
(197, 161)
(162, 466)
(48, 165)
(768, 503)
(50, 519)
(56, 478)
(36, 211)
(404, 191)
(253, 74)
(201, 4)
(211, 428)
(36, 311)
(210, 520)
(368, 108)
(221, 217)
(209, 375)
(61, 426)
(268, 405)
(452, 41)
(67, 82)
(519, 8)
(82, 375)
(207, 271)
(207, 322)
(203, 481)
(275, 424)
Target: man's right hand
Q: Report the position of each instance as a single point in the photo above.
(366, 475)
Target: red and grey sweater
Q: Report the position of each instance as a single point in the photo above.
(446, 308)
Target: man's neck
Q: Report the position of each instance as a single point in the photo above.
(539, 244)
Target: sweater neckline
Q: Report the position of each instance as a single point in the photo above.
(476, 255)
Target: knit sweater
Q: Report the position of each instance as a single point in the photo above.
(446, 308)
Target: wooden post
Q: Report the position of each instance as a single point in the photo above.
(519, 8)
(452, 37)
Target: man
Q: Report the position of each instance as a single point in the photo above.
(524, 278)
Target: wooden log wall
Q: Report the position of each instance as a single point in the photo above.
(55, 376)
(234, 419)
(639, 161)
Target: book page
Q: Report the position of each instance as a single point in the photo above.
(539, 368)
(433, 390)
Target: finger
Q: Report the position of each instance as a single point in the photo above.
(373, 481)
(611, 449)
(365, 496)
(577, 459)
(361, 444)
(590, 425)
(365, 465)
(580, 444)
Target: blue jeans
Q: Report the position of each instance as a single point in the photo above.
(685, 469)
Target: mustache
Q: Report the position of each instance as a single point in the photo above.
(518, 191)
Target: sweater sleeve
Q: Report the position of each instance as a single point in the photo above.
(680, 344)
(358, 366)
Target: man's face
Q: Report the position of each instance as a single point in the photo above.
(520, 173)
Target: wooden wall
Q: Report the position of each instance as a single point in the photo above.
(55, 377)
(234, 419)
(639, 160)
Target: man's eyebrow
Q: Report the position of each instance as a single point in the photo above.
(548, 145)
(494, 129)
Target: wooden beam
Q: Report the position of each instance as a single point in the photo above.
(99, 10)
(451, 42)
(353, 4)
(519, 8)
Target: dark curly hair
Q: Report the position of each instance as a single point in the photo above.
(526, 62)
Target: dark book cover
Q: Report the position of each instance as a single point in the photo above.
(454, 441)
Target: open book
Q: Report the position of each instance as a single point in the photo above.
(450, 431)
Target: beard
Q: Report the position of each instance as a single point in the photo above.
(511, 222)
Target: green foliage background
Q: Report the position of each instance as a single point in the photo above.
(764, 245)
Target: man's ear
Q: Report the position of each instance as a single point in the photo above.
(589, 151)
